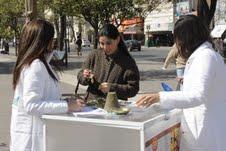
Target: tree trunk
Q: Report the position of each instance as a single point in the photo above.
(94, 23)
(14, 27)
(62, 31)
(56, 23)
(71, 25)
(31, 9)
(206, 10)
(73, 33)
(96, 38)
(16, 45)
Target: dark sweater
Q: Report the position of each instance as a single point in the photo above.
(118, 69)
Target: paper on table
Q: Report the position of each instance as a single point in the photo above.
(88, 111)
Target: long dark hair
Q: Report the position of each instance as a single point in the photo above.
(34, 41)
(189, 33)
(110, 31)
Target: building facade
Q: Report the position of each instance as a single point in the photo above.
(132, 29)
(158, 25)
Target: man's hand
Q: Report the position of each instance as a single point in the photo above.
(88, 74)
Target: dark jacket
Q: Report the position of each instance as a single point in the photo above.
(79, 41)
(119, 69)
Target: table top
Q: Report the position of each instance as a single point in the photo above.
(137, 118)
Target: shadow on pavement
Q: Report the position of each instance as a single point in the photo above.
(72, 66)
(6, 67)
(157, 74)
(156, 60)
(4, 147)
(138, 56)
(153, 58)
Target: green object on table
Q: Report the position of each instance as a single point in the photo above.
(98, 103)
(121, 111)
(112, 105)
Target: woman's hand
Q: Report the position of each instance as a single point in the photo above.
(75, 105)
(147, 100)
(88, 74)
(105, 87)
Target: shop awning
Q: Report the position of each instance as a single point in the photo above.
(218, 30)
(133, 29)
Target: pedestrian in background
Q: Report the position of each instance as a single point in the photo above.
(174, 56)
(79, 44)
(157, 42)
(203, 98)
(36, 88)
(111, 68)
(5, 45)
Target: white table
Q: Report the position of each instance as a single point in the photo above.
(141, 130)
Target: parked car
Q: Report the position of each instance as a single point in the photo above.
(133, 44)
(85, 43)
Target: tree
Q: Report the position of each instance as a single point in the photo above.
(99, 12)
(144, 7)
(31, 9)
(61, 9)
(206, 10)
(10, 11)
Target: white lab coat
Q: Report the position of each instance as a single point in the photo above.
(203, 100)
(36, 94)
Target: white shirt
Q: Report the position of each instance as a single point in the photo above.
(36, 93)
(203, 100)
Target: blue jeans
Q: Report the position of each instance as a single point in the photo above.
(180, 72)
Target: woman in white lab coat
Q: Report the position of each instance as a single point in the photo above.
(203, 98)
(36, 88)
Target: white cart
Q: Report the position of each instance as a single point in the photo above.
(141, 130)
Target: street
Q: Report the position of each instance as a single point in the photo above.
(149, 61)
